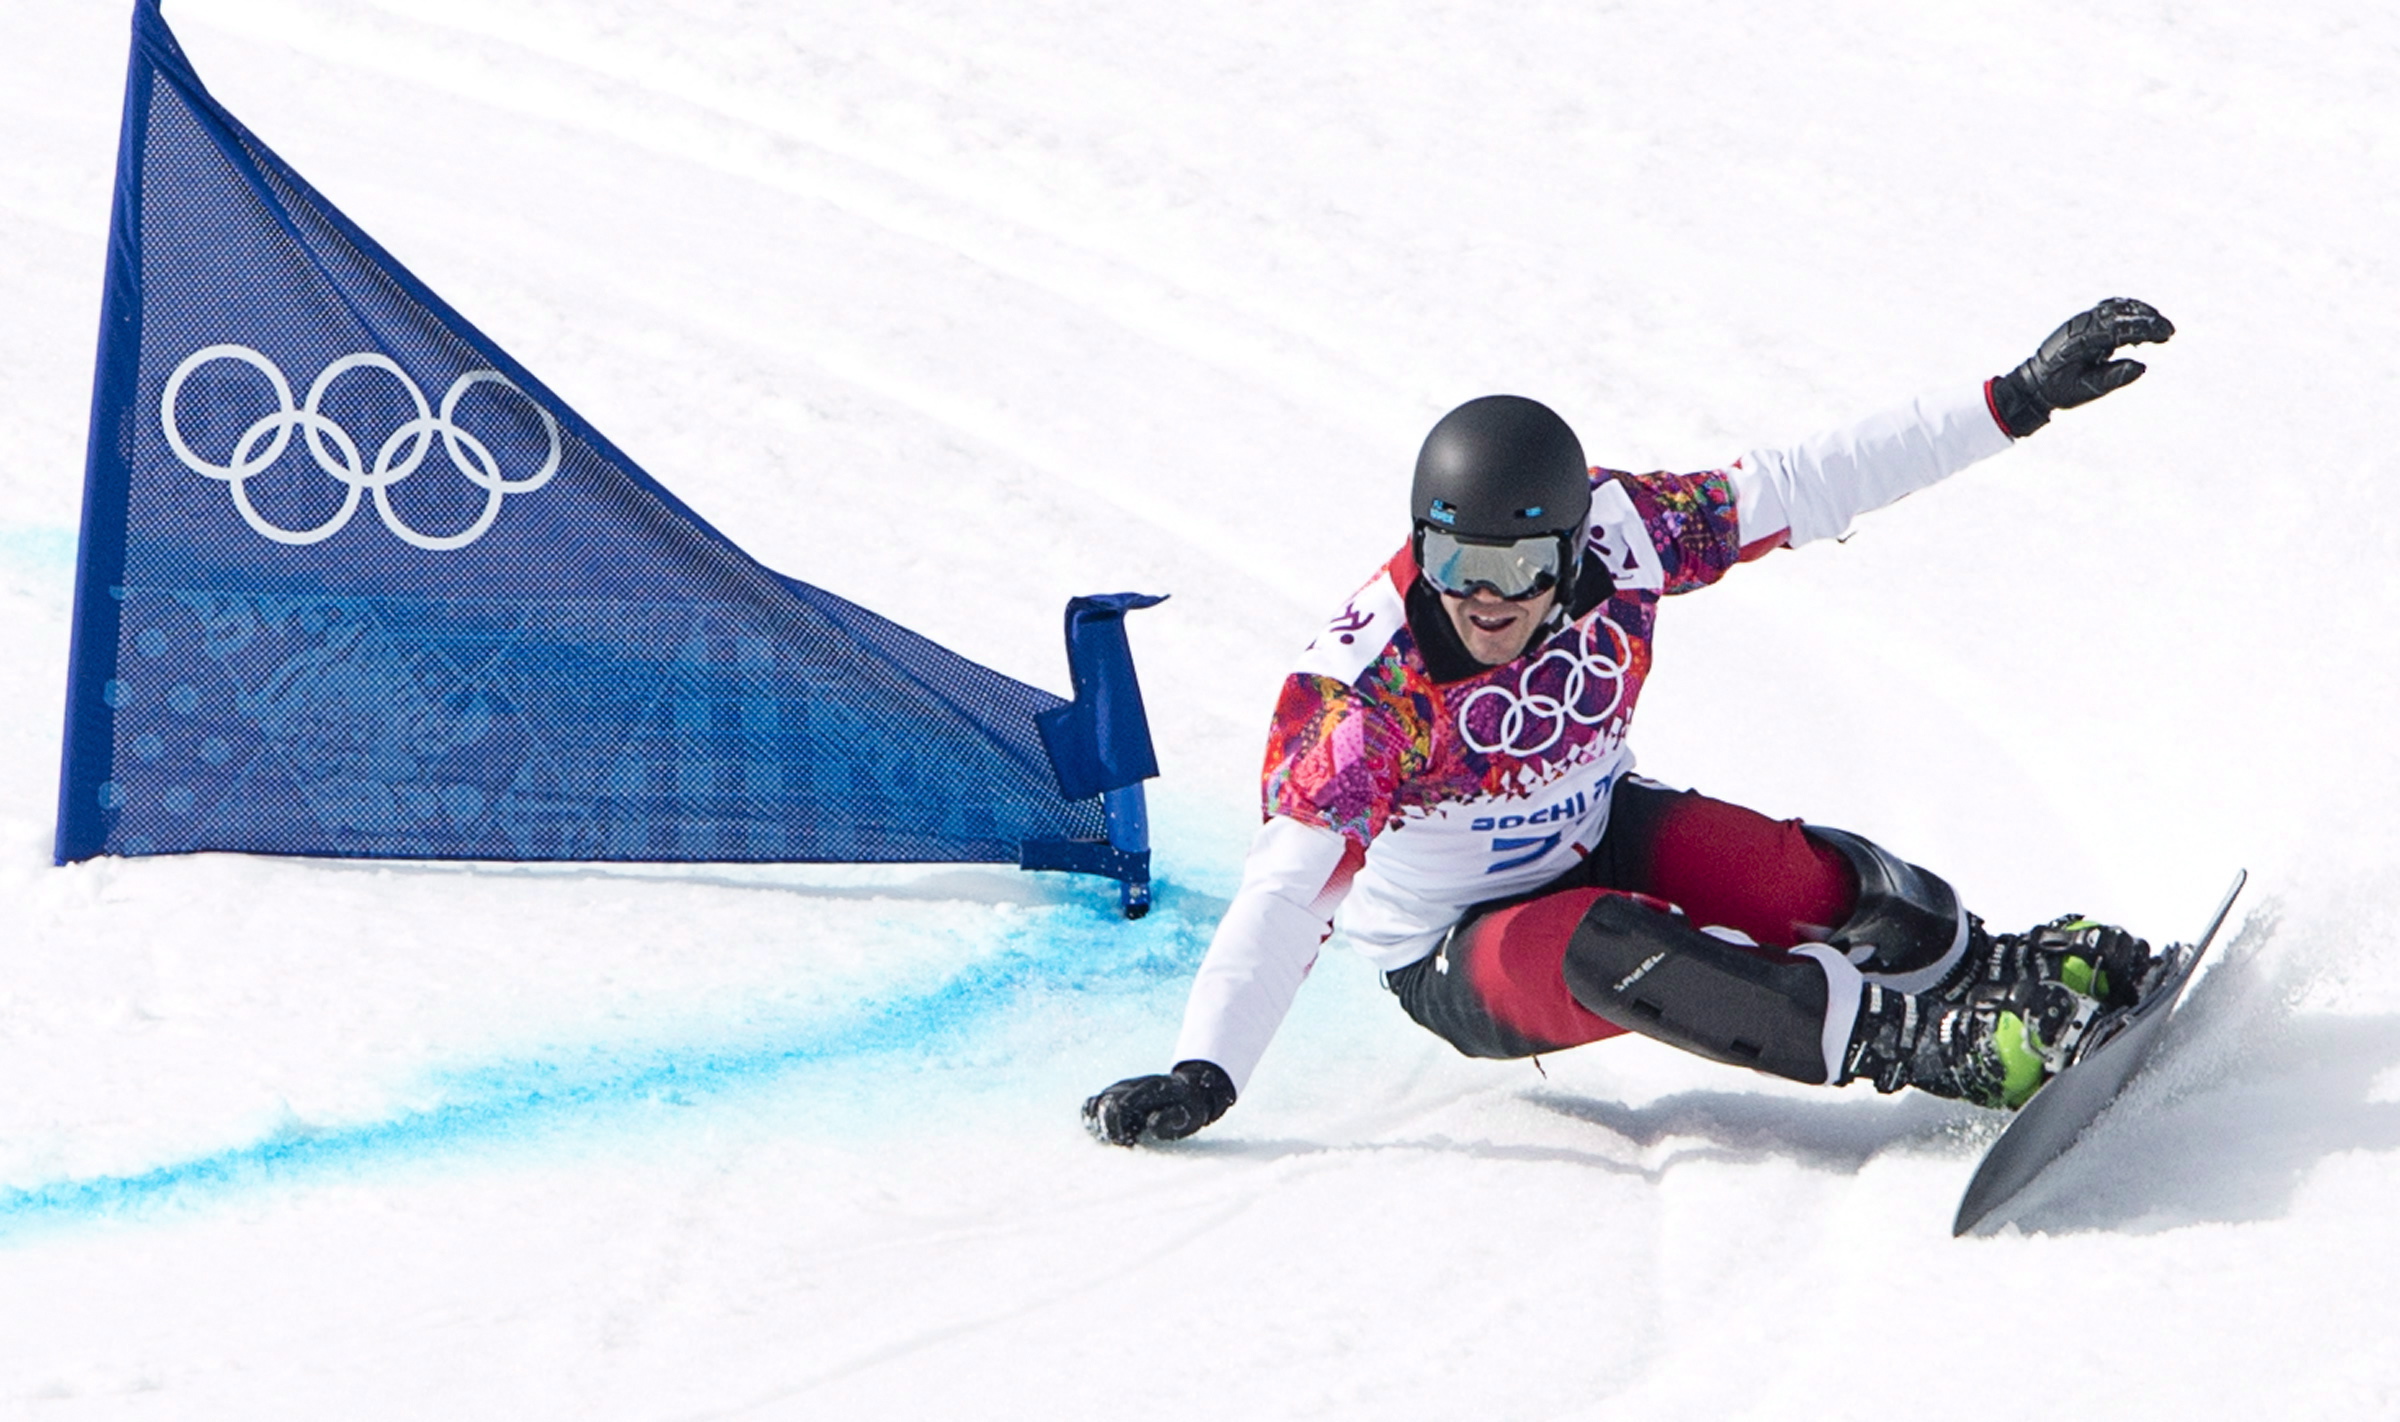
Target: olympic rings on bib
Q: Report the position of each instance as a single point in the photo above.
(1530, 719)
(338, 455)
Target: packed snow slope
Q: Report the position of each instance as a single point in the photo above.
(1163, 297)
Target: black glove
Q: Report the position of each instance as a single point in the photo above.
(2073, 367)
(1159, 1108)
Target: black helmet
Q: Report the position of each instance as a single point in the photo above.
(1497, 470)
(1502, 467)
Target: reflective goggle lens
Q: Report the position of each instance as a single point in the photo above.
(1523, 569)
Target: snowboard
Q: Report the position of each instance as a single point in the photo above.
(2068, 1102)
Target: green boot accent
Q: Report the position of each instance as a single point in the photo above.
(2081, 974)
(1991, 1052)
(2023, 1067)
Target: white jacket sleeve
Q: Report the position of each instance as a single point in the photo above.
(1265, 945)
(1813, 489)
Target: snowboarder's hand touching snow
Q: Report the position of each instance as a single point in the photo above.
(1163, 1108)
(2077, 365)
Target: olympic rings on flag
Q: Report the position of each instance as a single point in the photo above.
(1546, 715)
(339, 456)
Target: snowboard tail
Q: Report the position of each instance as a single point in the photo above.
(2071, 1100)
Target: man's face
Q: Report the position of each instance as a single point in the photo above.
(1495, 629)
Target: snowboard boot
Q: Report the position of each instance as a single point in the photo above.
(1992, 1049)
(2088, 957)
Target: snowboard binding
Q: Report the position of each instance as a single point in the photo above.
(2091, 958)
(2019, 1009)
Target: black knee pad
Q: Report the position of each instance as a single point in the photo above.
(1908, 931)
(1653, 973)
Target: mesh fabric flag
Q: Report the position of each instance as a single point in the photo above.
(353, 582)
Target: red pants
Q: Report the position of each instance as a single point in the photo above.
(1496, 990)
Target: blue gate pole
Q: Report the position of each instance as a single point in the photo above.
(1128, 812)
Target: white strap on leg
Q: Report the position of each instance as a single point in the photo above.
(1843, 982)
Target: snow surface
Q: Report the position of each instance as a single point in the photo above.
(1163, 296)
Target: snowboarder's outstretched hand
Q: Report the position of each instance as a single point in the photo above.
(2076, 366)
(1160, 1108)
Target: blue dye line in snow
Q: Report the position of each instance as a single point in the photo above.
(38, 549)
(507, 1102)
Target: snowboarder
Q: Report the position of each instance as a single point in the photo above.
(1447, 764)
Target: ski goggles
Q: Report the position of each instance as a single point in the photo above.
(1515, 571)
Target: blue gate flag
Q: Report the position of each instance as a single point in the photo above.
(353, 582)
(1101, 741)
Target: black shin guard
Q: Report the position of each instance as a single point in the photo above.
(1908, 932)
(1653, 973)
